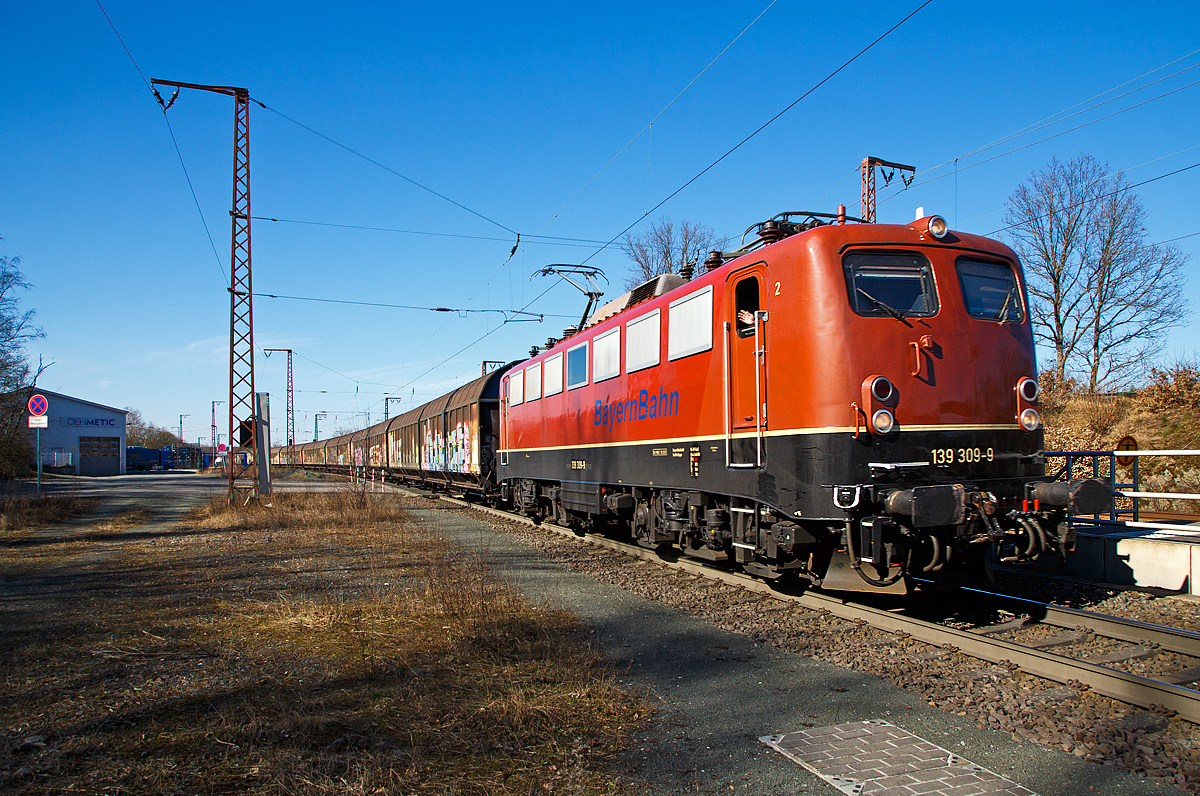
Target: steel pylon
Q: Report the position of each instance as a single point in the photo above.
(243, 445)
(291, 414)
(867, 196)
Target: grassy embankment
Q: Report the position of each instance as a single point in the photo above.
(1164, 415)
(326, 644)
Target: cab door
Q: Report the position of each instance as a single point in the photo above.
(746, 341)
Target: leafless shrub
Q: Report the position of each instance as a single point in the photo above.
(666, 247)
(1102, 412)
(1055, 391)
(19, 512)
(1175, 386)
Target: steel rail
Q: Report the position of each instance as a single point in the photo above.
(1115, 684)
(1123, 686)
(1185, 642)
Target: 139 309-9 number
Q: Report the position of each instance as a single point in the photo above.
(962, 455)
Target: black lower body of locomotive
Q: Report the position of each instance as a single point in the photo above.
(913, 503)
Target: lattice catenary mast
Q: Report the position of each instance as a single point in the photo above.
(291, 414)
(243, 439)
(868, 182)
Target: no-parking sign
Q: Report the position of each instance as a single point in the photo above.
(38, 404)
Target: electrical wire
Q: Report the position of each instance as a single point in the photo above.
(825, 80)
(131, 58)
(539, 316)
(196, 200)
(537, 236)
(174, 141)
(1109, 174)
(388, 169)
(1172, 240)
(1043, 123)
(650, 124)
(764, 126)
(1039, 141)
(541, 239)
(1121, 189)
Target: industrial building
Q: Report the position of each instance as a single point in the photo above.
(80, 437)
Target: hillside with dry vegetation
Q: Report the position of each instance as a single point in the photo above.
(1163, 415)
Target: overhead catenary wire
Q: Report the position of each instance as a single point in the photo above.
(547, 240)
(204, 221)
(708, 168)
(1106, 195)
(649, 125)
(1172, 240)
(386, 168)
(1047, 121)
(1042, 141)
(1125, 170)
(174, 141)
(764, 126)
(460, 310)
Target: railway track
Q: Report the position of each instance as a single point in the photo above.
(1047, 657)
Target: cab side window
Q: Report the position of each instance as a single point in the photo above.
(746, 300)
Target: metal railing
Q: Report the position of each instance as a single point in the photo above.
(1104, 465)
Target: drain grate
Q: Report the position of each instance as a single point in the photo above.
(874, 758)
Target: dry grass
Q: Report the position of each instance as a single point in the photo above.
(1161, 416)
(24, 512)
(131, 517)
(321, 645)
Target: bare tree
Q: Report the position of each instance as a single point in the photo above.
(666, 247)
(16, 375)
(1051, 236)
(1135, 291)
(1103, 297)
(140, 432)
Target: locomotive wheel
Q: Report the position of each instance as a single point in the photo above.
(647, 522)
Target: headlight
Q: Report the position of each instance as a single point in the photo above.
(1030, 419)
(883, 421)
(938, 227)
(882, 389)
(1029, 389)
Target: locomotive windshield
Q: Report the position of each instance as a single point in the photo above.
(990, 291)
(900, 285)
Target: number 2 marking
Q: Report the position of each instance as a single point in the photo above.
(776, 288)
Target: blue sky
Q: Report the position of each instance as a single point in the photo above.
(510, 110)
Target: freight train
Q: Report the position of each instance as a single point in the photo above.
(849, 405)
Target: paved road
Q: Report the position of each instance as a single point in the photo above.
(182, 484)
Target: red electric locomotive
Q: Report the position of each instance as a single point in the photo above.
(850, 403)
